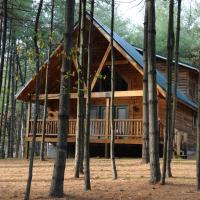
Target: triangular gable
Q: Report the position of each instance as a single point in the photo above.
(138, 58)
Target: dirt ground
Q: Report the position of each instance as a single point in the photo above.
(132, 182)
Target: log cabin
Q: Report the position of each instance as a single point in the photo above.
(128, 94)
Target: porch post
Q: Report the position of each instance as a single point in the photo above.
(27, 129)
(107, 127)
(178, 150)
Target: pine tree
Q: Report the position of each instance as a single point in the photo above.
(145, 145)
(57, 182)
(3, 49)
(47, 84)
(171, 139)
(152, 93)
(80, 100)
(88, 103)
(37, 58)
(112, 111)
(170, 50)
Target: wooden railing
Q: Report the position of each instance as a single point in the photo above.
(125, 128)
(128, 127)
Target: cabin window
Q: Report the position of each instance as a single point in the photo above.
(99, 112)
(121, 112)
(194, 121)
(104, 81)
(193, 90)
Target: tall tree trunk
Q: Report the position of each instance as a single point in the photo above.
(198, 141)
(171, 139)
(2, 154)
(13, 105)
(80, 100)
(36, 111)
(57, 182)
(88, 104)
(19, 130)
(5, 83)
(112, 111)
(152, 93)
(47, 85)
(1, 27)
(77, 143)
(170, 50)
(3, 51)
(145, 145)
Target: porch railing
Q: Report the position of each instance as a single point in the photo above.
(125, 128)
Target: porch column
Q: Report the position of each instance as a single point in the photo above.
(27, 129)
(107, 127)
(178, 143)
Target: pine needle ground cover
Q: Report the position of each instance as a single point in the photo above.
(132, 182)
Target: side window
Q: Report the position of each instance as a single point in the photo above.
(193, 89)
(194, 120)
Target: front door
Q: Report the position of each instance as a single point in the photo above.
(97, 123)
(121, 114)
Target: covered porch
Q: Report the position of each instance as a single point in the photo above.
(127, 131)
(128, 122)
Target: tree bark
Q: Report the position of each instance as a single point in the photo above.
(80, 100)
(5, 83)
(170, 50)
(47, 85)
(1, 27)
(13, 105)
(2, 154)
(171, 139)
(57, 182)
(152, 93)
(3, 51)
(112, 138)
(145, 145)
(198, 141)
(88, 104)
(37, 58)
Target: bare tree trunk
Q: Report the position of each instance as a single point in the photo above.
(47, 86)
(88, 104)
(20, 122)
(145, 145)
(152, 93)
(198, 140)
(13, 105)
(77, 144)
(170, 155)
(37, 58)
(170, 48)
(112, 138)
(57, 182)
(1, 27)
(3, 51)
(80, 100)
(2, 154)
(5, 83)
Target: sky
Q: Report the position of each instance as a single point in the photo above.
(134, 9)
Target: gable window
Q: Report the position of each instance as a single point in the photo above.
(103, 83)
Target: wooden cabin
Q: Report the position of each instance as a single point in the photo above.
(128, 94)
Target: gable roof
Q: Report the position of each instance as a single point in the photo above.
(132, 52)
(186, 65)
(135, 55)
